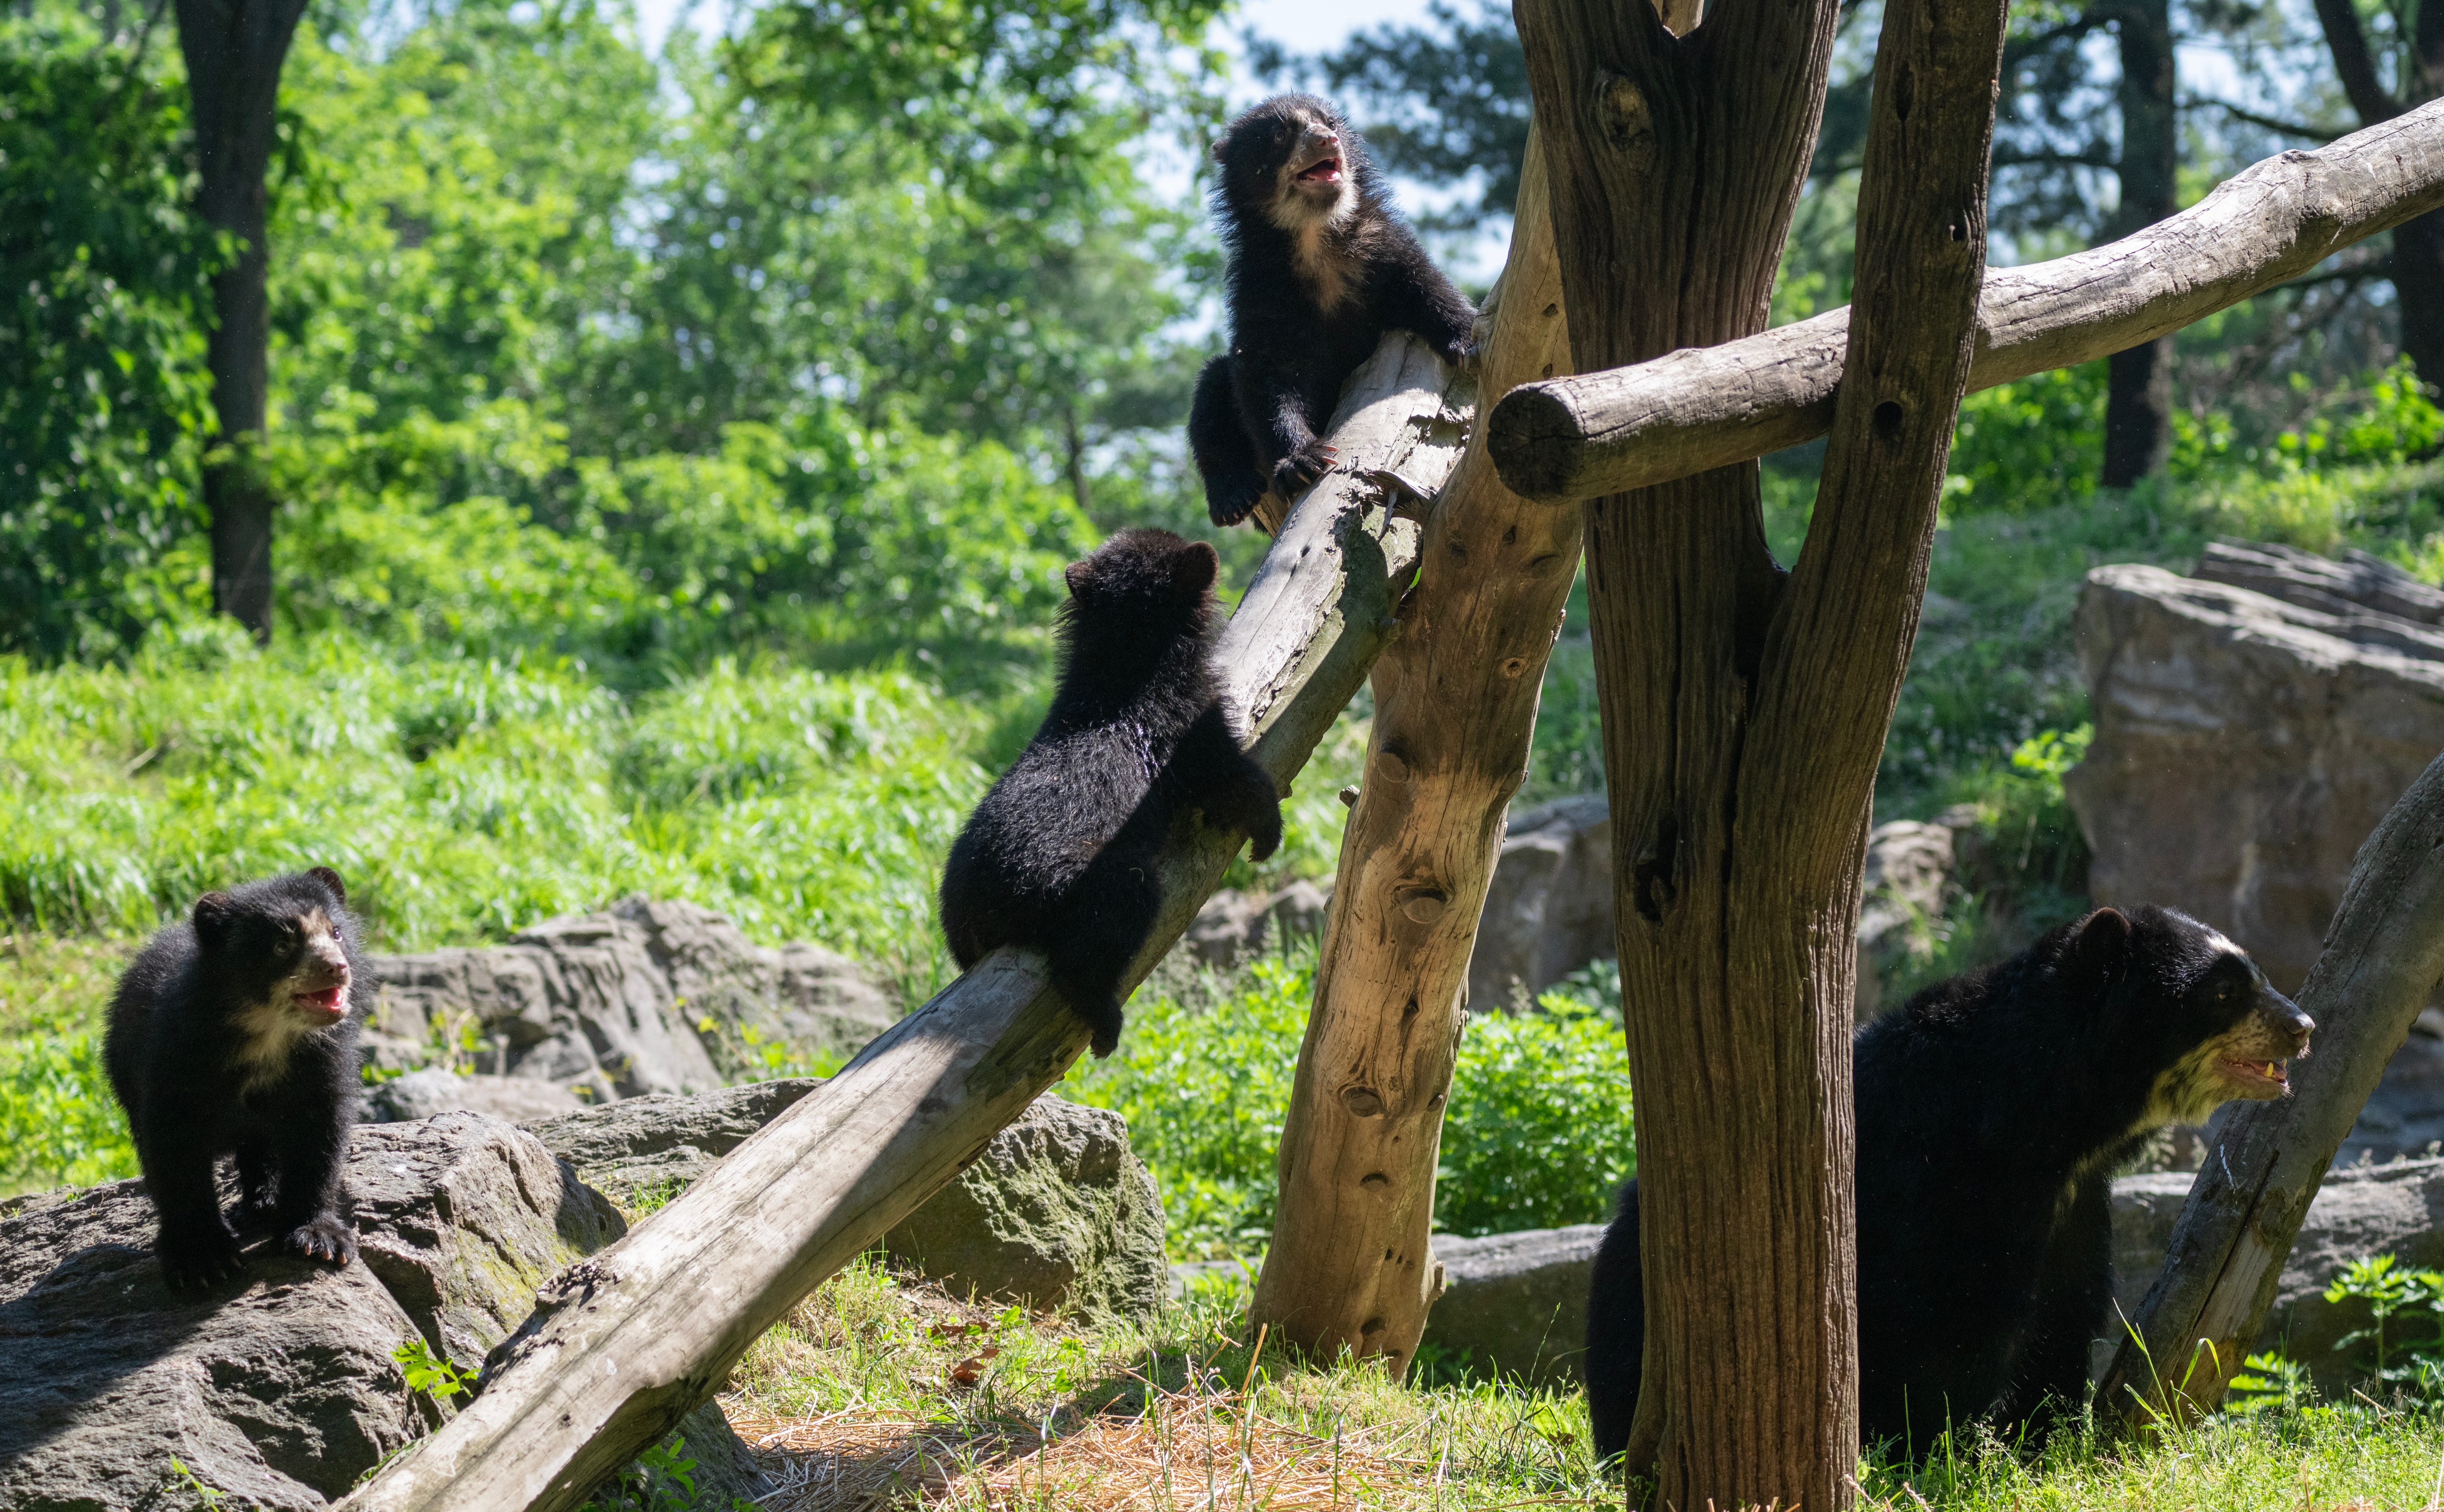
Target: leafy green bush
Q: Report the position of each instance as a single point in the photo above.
(2403, 1341)
(1537, 1132)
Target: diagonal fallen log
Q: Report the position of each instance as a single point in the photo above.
(2384, 954)
(1699, 408)
(624, 1344)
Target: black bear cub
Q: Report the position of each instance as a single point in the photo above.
(234, 1033)
(1991, 1111)
(1061, 853)
(1321, 267)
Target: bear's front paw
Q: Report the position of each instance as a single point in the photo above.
(1299, 470)
(195, 1258)
(326, 1239)
(1266, 836)
(1228, 508)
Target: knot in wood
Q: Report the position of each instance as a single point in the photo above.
(1424, 905)
(1371, 1327)
(1374, 1181)
(1391, 768)
(1625, 122)
(1362, 1102)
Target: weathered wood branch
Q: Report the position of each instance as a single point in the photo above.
(2384, 954)
(1707, 407)
(623, 1345)
(1455, 710)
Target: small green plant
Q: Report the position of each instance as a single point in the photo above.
(2270, 1382)
(2407, 1355)
(186, 1480)
(663, 1478)
(431, 1374)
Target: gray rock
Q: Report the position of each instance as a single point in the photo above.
(2358, 583)
(424, 1093)
(628, 1149)
(1908, 873)
(1056, 1213)
(2245, 748)
(645, 997)
(1517, 1303)
(279, 1390)
(2362, 1210)
(1549, 906)
(1235, 925)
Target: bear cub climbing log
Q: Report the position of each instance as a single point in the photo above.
(234, 1033)
(1062, 853)
(1991, 1111)
(1321, 267)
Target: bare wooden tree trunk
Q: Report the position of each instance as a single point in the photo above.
(1628, 427)
(1745, 711)
(235, 49)
(2383, 955)
(623, 1345)
(1455, 710)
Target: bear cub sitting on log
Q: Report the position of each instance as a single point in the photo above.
(1321, 267)
(234, 1033)
(1991, 1111)
(1060, 855)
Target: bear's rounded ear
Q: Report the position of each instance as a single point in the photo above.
(1077, 575)
(213, 912)
(1195, 568)
(331, 879)
(2102, 943)
(1221, 148)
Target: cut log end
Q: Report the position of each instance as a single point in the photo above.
(1538, 443)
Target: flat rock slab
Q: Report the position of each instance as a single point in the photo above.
(432, 1092)
(1055, 1212)
(1516, 1304)
(278, 1390)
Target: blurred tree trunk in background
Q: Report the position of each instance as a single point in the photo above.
(2418, 247)
(235, 49)
(2139, 391)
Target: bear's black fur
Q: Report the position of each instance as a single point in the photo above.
(1061, 853)
(1991, 1111)
(1321, 267)
(235, 1033)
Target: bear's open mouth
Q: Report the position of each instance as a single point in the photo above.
(1323, 171)
(324, 1005)
(2257, 1072)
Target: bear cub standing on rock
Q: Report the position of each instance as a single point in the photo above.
(233, 1034)
(1321, 267)
(1060, 855)
(1991, 1111)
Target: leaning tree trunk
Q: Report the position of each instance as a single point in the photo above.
(1745, 711)
(234, 50)
(2383, 956)
(624, 1344)
(1454, 708)
(2139, 381)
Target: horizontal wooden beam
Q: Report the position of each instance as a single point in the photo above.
(1601, 434)
(623, 1345)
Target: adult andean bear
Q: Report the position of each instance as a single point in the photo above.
(1991, 1111)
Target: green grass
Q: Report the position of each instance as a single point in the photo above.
(872, 1373)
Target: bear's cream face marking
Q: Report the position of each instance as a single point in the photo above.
(2251, 1032)
(307, 996)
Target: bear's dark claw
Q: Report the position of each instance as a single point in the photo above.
(324, 1239)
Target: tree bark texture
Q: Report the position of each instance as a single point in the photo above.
(2138, 380)
(624, 1344)
(234, 50)
(2417, 246)
(2384, 954)
(1713, 406)
(1674, 163)
(1454, 712)
(1744, 712)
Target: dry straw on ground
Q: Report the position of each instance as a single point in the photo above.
(1184, 1451)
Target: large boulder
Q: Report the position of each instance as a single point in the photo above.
(2245, 748)
(1516, 1304)
(279, 1388)
(645, 997)
(1549, 904)
(433, 1092)
(1056, 1212)
(1235, 925)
